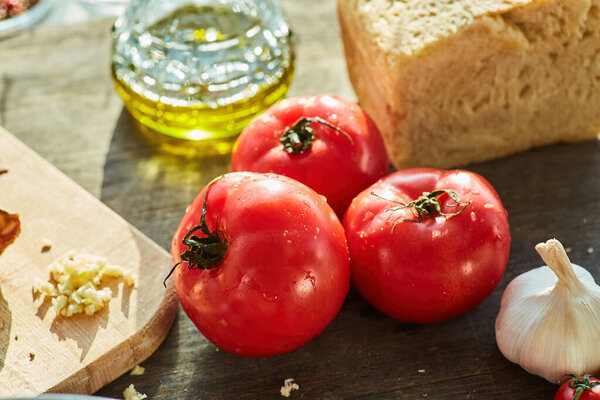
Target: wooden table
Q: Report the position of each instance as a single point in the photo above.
(56, 96)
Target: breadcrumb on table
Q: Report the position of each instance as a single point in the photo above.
(288, 386)
(46, 245)
(138, 370)
(131, 394)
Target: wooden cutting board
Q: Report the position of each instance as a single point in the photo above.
(40, 352)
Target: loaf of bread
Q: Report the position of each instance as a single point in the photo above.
(451, 82)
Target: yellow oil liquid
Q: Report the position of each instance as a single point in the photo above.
(214, 129)
(192, 116)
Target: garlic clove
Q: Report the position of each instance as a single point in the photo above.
(549, 320)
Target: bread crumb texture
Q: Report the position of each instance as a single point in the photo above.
(288, 386)
(46, 245)
(454, 82)
(138, 370)
(131, 394)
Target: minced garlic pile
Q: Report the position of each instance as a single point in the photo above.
(77, 280)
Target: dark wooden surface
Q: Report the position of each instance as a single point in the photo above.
(57, 97)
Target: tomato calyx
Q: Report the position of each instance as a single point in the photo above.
(202, 252)
(298, 138)
(427, 205)
(581, 385)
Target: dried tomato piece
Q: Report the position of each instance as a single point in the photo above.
(10, 227)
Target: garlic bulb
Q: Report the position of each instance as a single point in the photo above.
(549, 320)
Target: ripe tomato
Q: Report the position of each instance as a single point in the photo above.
(579, 388)
(436, 268)
(326, 142)
(265, 263)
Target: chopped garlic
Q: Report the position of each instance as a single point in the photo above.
(138, 370)
(131, 394)
(37, 285)
(128, 278)
(42, 287)
(72, 309)
(59, 303)
(288, 386)
(93, 296)
(112, 270)
(77, 279)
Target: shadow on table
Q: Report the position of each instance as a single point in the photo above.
(149, 186)
(549, 192)
(5, 324)
(160, 367)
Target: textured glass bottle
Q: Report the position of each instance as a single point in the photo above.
(201, 69)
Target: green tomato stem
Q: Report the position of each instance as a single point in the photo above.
(427, 205)
(205, 252)
(581, 385)
(298, 138)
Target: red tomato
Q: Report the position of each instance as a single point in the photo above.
(579, 388)
(326, 142)
(434, 269)
(277, 264)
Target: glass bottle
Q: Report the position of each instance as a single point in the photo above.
(201, 69)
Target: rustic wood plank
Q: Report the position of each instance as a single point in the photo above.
(70, 104)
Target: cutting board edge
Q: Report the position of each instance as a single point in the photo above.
(125, 356)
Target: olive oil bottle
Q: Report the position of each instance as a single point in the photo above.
(199, 71)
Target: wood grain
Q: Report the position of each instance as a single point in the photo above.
(68, 112)
(39, 351)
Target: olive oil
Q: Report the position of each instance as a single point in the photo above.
(199, 121)
(202, 73)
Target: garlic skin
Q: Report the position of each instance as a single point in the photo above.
(549, 320)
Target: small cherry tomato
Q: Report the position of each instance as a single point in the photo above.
(262, 263)
(427, 245)
(326, 142)
(579, 388)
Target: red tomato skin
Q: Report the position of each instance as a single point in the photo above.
(566, 393)
(432, 270)
(286, 271)
(335, 167)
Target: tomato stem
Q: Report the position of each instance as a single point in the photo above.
(427, 205)
(581, 385)
(202, 252)
(298, 138)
